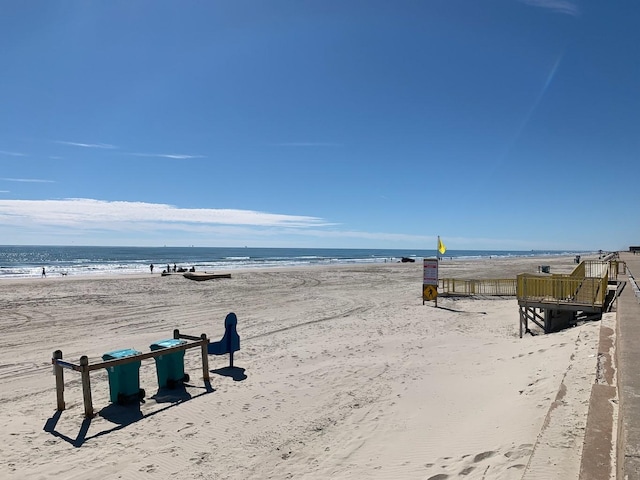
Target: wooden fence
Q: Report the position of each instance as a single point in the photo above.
(458, 286)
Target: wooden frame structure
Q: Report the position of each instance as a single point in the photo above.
(551, 301)
(59, 365)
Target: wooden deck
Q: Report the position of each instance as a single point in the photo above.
(553, 301)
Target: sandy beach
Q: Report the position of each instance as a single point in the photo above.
(342, 373)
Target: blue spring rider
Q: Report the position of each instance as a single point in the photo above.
(230, 341)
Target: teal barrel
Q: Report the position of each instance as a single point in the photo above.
(170, 367)
(124, 380)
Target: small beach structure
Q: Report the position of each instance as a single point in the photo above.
(124, 365)
(197, 276)
(120, 360)
(201, 276)
(554, 301)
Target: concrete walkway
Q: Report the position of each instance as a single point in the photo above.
(628, 361)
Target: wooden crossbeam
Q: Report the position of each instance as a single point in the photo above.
(85, 368)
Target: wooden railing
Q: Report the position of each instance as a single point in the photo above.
(457, 286)
(586, 285)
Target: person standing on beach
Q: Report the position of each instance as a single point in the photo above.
(151, 267)
(44, 273)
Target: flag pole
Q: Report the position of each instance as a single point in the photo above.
(438, 248)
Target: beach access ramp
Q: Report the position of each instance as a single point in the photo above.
(553, 301)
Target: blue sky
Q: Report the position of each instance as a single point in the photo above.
(496, 124)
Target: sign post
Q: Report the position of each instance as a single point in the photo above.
(430, 280)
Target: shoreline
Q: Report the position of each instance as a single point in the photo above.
(526, 261)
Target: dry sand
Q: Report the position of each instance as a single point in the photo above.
(342, 373)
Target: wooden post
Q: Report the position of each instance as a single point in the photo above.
(521, 308)
(230, 350)
(205, 357)
(59, 373)
(521, 319)
(86, 386)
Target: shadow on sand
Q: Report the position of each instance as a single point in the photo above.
(236, 373)
(124, 415)
(459, 311)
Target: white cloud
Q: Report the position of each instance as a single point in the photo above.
(95, 222)
(27, 180)
(12, 154)
(87, 145)
(175, 156)
(561, 6)
(83, 213)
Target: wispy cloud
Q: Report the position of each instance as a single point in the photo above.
(4, 191)
(97, 222)
(306, 144)
(123, 222)
(175, 156)
(27, 180)
(87, 145)
(567, 7)
(83, 213)
(12, 154)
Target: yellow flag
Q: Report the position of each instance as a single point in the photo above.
(441, 247)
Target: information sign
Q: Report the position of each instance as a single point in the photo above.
(430, 280)
(430, 271)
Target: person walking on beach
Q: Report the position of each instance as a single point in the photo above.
(44, 273)
(151, 267)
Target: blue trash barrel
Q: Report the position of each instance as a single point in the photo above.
(170, 367)
(124, 380)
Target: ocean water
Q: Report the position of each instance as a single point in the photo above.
(28, 261)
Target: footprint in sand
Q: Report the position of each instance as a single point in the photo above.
(524, 450)
(483, 456)
(440, 476)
